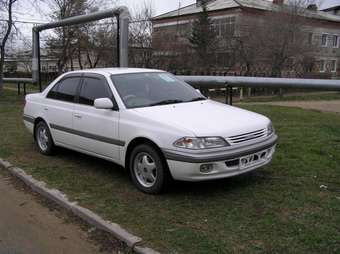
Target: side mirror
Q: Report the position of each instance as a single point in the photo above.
(103, 103)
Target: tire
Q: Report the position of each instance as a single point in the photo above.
(148, 171)
(43, 138)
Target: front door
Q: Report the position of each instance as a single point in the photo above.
(97, 129)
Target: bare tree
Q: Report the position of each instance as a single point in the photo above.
(284, 37)
(277, 41)
(7, 28)
(141, 37)
(96, 44)
(61, 44)
(247, 46)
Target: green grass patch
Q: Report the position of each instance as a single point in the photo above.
(301, 97)
(276, 209)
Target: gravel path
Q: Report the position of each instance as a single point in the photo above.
(27, 226)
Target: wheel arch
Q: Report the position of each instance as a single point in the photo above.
(38, 120)
(138, 141)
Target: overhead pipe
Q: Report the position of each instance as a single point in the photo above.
(259, 82)
(121, 13)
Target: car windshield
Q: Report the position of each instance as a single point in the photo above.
(152, 89)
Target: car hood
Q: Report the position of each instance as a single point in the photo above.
(206, 118)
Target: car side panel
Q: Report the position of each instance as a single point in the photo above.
(98, 131)
(32, 110)
(58, 115)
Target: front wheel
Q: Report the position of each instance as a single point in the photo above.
(43, 138)
(149, 172)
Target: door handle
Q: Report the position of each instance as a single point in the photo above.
(46, 109)
(77, 116)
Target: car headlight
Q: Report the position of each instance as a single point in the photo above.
(270, 129)
(195, 143)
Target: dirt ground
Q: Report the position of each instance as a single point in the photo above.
(324, 106)
(29, 226)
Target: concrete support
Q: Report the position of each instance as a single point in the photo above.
(36, 57)
(124, 18)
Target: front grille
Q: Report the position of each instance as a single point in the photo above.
(234, 140)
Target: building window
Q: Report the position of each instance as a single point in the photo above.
(322, 66)
(333, 65)
(224, 27)
(324, 40)
(335, 41)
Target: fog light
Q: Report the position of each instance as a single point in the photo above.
(270, 152)
(206, 168)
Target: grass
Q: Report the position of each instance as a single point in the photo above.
(278, 209)
(301, 97)
(30, 88)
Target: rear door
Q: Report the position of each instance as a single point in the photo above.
(58, 108)
(97, 129)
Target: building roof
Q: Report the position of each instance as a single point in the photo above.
(329, 4)
(264, 5)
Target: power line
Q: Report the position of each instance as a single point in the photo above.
(24, 22)
(41, 23)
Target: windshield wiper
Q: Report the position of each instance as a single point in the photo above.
(165, 102)
(198, 99)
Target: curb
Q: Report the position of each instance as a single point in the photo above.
(90, 217)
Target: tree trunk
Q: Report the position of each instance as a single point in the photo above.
(2, 62)
(3, 43)
(79, 59)
(89, 58)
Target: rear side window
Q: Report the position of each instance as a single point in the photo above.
(93, 89)
(65, 90)
(53, 93)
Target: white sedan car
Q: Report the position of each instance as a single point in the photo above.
(156, 126)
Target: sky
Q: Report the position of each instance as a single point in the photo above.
(160, 6)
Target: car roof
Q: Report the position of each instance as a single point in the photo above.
(116, 71)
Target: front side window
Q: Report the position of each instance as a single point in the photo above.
(92, 89)
(152, 89)
(65, 90)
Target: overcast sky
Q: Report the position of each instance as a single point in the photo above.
(160, 6)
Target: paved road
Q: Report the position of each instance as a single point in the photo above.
(28, 227)
(325, 106)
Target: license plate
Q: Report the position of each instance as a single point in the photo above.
(254, 159)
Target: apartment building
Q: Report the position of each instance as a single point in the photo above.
(321, 28)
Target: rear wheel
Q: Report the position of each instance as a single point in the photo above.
(149, 172)
(43, 138)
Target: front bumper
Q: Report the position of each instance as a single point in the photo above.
(223, 163)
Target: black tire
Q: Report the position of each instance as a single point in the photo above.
(161, 170)
(48, 147)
